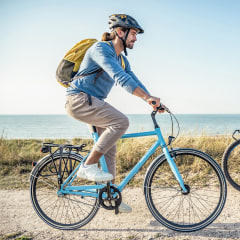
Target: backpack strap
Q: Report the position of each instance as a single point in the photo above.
(122, 62)
(122, 59)
(98, 71)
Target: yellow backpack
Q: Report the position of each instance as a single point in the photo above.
(70, 64)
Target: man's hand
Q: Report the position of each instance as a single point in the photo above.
(150, 99)
(155, 102)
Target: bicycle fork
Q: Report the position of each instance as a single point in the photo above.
(171, 162)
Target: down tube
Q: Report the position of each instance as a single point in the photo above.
(138, 165)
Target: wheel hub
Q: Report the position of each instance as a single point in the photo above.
(188, 189)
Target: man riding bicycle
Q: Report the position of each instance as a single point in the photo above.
(85, 97)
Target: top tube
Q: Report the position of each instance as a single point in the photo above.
(141, 134)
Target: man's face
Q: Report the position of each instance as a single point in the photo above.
(131, 39)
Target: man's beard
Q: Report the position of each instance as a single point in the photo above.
(130, 45)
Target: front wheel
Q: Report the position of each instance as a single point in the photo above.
(181, 211)
(231, 164)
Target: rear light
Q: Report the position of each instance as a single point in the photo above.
(45, 149)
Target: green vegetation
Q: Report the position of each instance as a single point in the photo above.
(16, 236)
(16, 156)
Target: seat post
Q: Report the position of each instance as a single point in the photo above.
(92, 128)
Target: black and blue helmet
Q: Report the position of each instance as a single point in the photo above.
(124, 21)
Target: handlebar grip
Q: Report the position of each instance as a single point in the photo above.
(159, 107)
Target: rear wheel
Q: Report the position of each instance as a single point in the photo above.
(190, 211)
(66, 211)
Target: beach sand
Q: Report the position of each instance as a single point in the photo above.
(18, 216)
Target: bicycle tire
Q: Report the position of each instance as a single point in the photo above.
(179, 211)
(231, 164)
(65, 212)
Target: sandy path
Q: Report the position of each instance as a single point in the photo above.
(17, 215)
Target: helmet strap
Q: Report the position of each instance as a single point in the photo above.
(125, 49)
(124, 40)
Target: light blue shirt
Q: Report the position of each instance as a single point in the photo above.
(102, 55)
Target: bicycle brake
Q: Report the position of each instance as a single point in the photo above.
(170, 139)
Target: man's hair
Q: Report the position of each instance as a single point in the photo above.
(110, 36)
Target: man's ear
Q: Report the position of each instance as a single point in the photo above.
(120, 32)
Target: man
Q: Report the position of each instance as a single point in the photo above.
(103, 66)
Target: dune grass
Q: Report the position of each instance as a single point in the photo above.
(17, 155)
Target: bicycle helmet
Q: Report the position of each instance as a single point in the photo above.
(124, 21)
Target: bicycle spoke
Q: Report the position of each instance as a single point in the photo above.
(61, 211)
(179, 210)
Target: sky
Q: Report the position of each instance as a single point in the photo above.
(189, 55)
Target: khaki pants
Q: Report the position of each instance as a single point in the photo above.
(111, 124)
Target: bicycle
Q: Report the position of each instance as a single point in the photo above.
(185, 189)
(230, 162)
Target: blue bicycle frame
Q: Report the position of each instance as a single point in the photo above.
(91, 190)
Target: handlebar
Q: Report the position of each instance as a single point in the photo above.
(160, 107)
(171, 138)
(236, 131)
(153, 114)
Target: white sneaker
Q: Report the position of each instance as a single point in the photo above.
(124, 208)
(93, 173)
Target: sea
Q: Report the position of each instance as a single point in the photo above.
(65, 127)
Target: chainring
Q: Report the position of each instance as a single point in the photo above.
(110, 203)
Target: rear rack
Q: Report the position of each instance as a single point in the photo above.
(47, 147)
